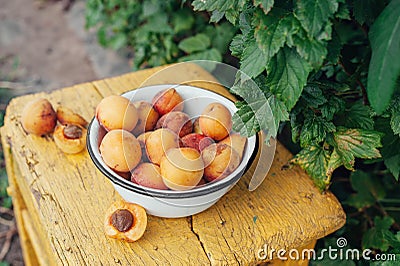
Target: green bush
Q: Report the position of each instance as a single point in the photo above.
(329, 70)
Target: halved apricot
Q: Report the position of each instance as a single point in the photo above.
(125, 221)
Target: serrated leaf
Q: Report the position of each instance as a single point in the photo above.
(211, 5)
(199, 42)
(272, 30)
(266, 5)
(326, 33)
(287, 75)
(335, 162)
(368, 190)
(216, 16)
(395, 115)
(279, 110)
(359, 116)
(232, 15)
(314, 160)
(383, 72)
(237, 45)
(375, 237)
(343, 12)
(356, 143)
(312, 50)
(255, 112)
(333, 106)
(313, 95)
(314, 14)
(244, 121)
(314, 130)
(253, 61)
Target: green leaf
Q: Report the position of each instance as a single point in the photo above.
(287, 75)
(315, 130)
(221, 35)
(237, 45)
(375, 237)
(244, 121)
(279, 111)
(210, 54)
(391, 148)
(333, 106)
(216, 16)
(343, 12)
(363, 12)
(313, 95)
(199, 42)
(272, 30)
(334, 47)
(383, 70)
(255, 111)
(253, 60)
(182, 20)
(359, 116)
(314, 14)
(335, 161)
(150, 8)
(266, 5)
(395, 115)
(158, 24)
(211, 5)
(314, 160)
(312, 50)
(368, 190)
(360, 143)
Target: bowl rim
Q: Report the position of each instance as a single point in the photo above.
(170, 194)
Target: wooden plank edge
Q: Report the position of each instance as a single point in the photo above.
(28, 253)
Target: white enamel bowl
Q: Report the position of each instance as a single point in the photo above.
(169, 203)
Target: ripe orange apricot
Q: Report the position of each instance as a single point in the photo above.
(125, 221)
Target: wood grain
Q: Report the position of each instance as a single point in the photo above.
(66, 196)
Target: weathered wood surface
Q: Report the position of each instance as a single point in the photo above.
(65, 197)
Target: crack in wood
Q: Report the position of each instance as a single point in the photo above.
(190, 221)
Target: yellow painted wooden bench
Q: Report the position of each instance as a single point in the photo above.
(60, 200)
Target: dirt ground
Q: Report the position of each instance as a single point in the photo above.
(41, 51)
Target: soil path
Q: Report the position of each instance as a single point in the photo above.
(42, 48)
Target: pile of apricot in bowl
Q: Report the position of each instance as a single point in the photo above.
(156, 144)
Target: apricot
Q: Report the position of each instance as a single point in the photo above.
(201, 183)
(38, 117)
(147, 117)
(237, 142)
(120, 150)
(125, 221)
(177, 122)
(196, 141)
(158, 142)
(116, 112)
(70, 138)
(196, 126)
(148, 175)
(167, 100)
(66, 116)
(181, 168)
(142, 141)
(220, 160)
(216, 121)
